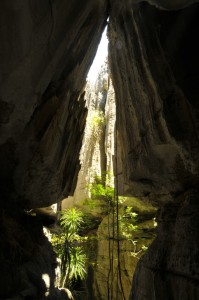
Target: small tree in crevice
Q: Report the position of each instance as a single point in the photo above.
(68, 246)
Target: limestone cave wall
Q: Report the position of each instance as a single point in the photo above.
(155, 77)
(46, 48)
(110, 258)
(97, 152)
(154, 64)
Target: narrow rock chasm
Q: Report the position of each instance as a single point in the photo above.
(46, 50)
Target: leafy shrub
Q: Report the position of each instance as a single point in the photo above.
(71, 220)
(68, 246)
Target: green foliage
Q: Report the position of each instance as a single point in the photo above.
(97, 123)
(58, 242)
(78, 263)
(97, 119)
(75, 248)
(68, 246)
(71, 220)
(127, 217)
(100, 191)
(127, 221)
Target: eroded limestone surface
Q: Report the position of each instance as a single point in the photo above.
(157, 111)
(154, 63)
(46, 49)
(169, 270)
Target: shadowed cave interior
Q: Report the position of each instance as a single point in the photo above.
(46, 50)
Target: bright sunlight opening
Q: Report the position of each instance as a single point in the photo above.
(99, 59)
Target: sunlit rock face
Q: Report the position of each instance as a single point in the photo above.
(46, 50)
(154, 63)
(96, 156)
(110, 258)
(116, 260)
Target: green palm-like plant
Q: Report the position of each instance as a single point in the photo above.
(68, 246)
(71, 219)
(78, 264)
